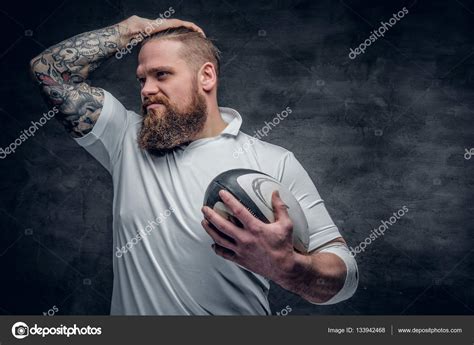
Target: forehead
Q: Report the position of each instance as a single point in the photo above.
(160, 53)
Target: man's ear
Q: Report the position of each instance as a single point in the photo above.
(207, 77)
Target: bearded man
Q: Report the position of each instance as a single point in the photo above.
(173, 256)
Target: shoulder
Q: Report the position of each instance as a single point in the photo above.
(262, 149)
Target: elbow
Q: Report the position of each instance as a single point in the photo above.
(38, 63)
(34, 62)
(345, 293)
(34, 66)
(349, 283)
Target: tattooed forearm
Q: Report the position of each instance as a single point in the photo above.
(62, 70)
(72, 60)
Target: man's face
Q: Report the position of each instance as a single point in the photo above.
(174, 111)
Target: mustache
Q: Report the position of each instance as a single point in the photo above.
(153, 100)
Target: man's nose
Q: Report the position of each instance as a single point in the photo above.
(150, 88)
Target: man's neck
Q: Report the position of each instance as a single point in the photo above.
(214, 124)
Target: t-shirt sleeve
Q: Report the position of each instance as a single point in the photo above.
(321, 227)
(104, 141)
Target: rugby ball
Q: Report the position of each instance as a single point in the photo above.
(254, 190)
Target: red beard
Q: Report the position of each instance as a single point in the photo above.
(163, 130)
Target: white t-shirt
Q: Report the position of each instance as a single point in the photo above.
(163, 262)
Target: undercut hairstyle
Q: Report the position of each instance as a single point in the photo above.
(196, 49)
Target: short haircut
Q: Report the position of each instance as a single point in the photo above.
(196, 49)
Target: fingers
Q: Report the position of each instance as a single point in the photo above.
(194, 27)
(220, 238)
(222, 224)
(224, 252)
(174, 23)
(239, 211)
(280, 210)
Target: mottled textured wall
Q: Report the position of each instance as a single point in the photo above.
(385, 130)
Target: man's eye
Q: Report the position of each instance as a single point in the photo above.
(161, 74)
(141, 80)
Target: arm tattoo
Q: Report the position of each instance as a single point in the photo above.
(62, 70)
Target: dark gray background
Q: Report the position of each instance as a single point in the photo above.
(376, 133)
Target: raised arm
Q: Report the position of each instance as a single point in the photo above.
(62, 70)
